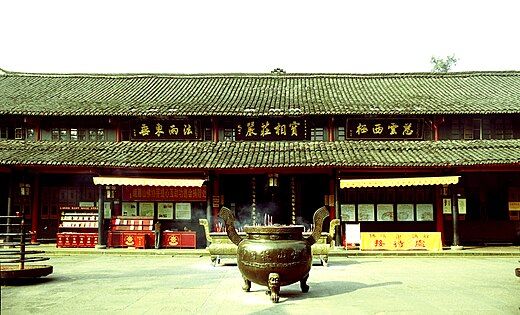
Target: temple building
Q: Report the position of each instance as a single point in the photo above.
(411, 152)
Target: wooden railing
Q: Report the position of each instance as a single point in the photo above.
(14, 238)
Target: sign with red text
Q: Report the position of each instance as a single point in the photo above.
(430, 241)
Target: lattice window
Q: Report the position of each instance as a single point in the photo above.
(229, 134)
(317, 133)
(341, 135)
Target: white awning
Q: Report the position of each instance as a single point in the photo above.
(139, 181)
(396, 182)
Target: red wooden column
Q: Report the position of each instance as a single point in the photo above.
(118, 131)
(35, 208)
(332, 182)
(37, 132)
(332, 203)
(214, 130)
(331, 129)
(439, 218)
(215, 193)
(215, 201)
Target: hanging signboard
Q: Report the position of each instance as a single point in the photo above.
(366, 212)
(187, 129)
(271, 129)
(164, 193)
(146, 209)
(183, 211)
(129, 209)
(514, 205)
(352, 233)
(462, 205)
(385, 129)
(424, 211)
(430, 241)
(385, 212)
(405, 212)
(348, 212)
(165, 210)
(446, 205)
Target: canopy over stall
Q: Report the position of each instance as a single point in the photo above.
(396, 182)
(139, 181)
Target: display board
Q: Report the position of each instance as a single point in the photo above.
(430, 241)
(183, 211)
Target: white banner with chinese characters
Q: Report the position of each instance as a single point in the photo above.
(430, 241)
(446, 205)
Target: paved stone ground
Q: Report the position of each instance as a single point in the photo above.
(153, 284)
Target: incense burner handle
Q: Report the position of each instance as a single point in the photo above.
(319, 217)
(229, 221)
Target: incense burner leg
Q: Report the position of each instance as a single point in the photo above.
(274, 286)
(247, 284)
(213, 261)
(325, 260)
(303, 284)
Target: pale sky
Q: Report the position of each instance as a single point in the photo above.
(192, 36)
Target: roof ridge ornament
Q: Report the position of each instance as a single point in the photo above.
(278, 71)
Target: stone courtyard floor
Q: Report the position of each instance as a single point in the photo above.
(188, 284)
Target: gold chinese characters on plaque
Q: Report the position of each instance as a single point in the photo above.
(166, 130)
(271, 129)
(384, 129)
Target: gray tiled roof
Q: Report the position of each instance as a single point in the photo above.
(231, 155)
(259, 94)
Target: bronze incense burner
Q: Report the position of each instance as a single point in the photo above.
(274, 255)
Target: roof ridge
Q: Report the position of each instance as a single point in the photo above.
(264, 75)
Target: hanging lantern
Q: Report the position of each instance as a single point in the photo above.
(110, 192)
(273, 180)
(25, 189)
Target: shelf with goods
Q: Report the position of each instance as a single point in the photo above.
(78, 227)
(131, 231)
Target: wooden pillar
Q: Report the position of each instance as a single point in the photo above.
(455, 216)
(331, 203)
(9, 205)
(439, 216)
(293, 201)
(337, 191)
(215, 200)
(331, 129)
(37, 132)
(35, 207)
(214, 130)
(209, 194)
(118, 131)
(101, 219)
(437, 121)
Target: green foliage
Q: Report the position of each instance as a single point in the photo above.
(443, 64)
